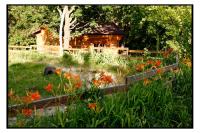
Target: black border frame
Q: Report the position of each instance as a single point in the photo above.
(7, 29)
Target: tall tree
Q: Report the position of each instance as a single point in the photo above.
(23, 20)
(70, 23)
(176, 22)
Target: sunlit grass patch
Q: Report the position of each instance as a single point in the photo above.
(15, 56)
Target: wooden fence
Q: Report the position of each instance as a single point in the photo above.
(134, 78)
(31, 47)
(65, 99)
(119, 50)
(74, 50)
(55, 49)
(142, 51)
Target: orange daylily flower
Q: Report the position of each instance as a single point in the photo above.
(106, 79)
(78, 85)
(158, 63)
(188, 62)
(27, 99)
(158, 71)
(92, 105)
(149, 62)
(146, 82)
(76, 77)
(68, 75)
(97, 83)
(35, 96)
(140, 67)
(58, 71)
(27, 112)
(48, 87)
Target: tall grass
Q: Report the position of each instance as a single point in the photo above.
(155, 105)
(106, 60)
(97, 59)
(15, 56)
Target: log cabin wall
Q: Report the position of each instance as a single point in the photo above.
(45, 37)
(104, 35)
(97, 40)
(45, 40)
(107, 35)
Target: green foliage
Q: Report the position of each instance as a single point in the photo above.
(23, 20)
(171, 26)
(153, 27)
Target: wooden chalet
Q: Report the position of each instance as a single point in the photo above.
(45, 41)
(106, 35)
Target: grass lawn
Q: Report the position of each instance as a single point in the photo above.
(25, 69)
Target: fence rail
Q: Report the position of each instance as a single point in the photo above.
(99, 49)
(142, 51)
(31, 47)
(120, 50)
(134, 78)
(64, 99)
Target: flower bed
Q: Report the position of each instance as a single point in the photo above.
(74, 83)
(76, 89)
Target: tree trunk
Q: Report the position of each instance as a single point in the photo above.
(67, 30)
(69, 23)
(62, 15)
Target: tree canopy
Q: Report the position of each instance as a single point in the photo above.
(145, 26)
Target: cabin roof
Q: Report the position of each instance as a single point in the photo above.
(39, 30)
(36, 32)
(101, 29)
(106, 29)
